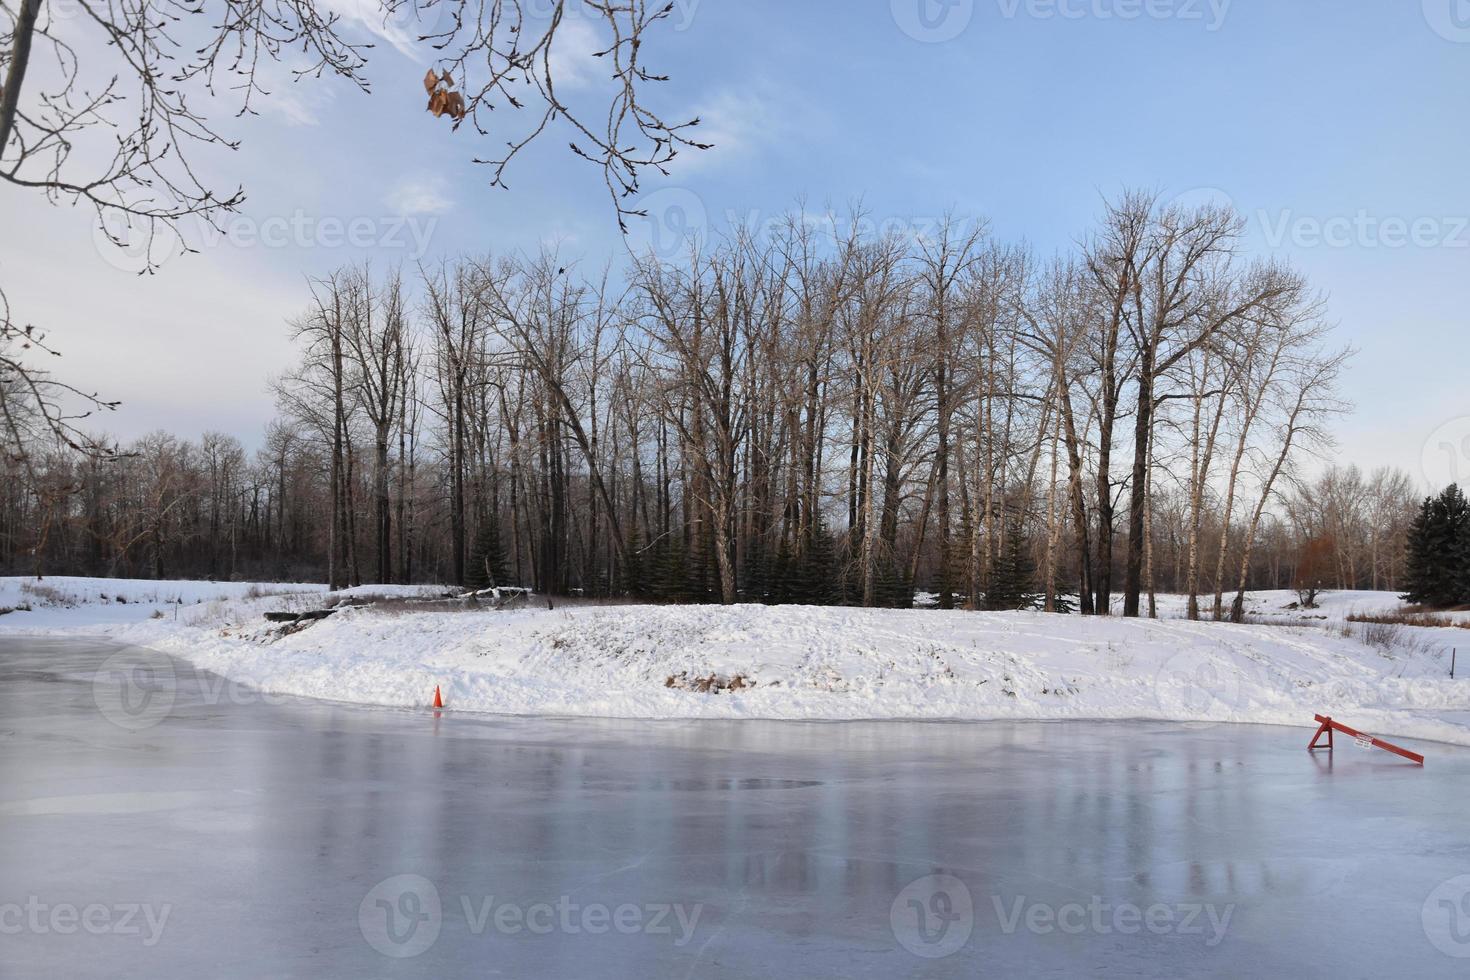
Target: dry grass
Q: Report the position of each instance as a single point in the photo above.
(46, 594)
(1412, 616)
(403, 606)
(1386, 637)
(258, 591)
(1256, 619)
(706, 685)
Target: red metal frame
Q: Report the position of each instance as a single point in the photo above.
(1328, 726)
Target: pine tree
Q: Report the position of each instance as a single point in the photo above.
(890, 588)
(1012, 575)
(779, 584)
(815, 581)
(486, 566)
(1437, 567)
(670, 571)
(1462, 564)
(631, 571)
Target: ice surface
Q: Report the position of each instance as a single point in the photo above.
(270, 828)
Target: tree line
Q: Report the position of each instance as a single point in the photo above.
(793, 415)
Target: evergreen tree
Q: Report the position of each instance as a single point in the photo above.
(631, 571)
(1462, 563)
(816, 581)
(1012, 575)
(486, 566)
(670, 573)
(1437, 567)
(891, 589)
(780, 584)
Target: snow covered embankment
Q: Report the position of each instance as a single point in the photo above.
(827, 663)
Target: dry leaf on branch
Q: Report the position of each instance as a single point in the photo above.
(442, 101)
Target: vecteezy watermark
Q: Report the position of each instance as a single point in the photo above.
(402, 916)
(670, 222)
(1364, 229)
(41, 918)
(1210, 13)
(674, 220)
(1450, 19)
(134, 246)
(936, 21)
(1100, 917)
(832, 228)
(137, 688)
(933, 916)
(1446, 917)
(1360, 228)
(932, 21)
(1446, 455)
(680, 16)
(1194, 683)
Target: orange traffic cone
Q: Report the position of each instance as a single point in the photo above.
(438, 700)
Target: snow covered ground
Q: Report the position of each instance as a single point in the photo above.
(1282, 606)
(753, 661)
(59, 601)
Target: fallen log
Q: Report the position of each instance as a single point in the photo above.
(296, 617)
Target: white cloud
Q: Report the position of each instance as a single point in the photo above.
(738, 122)
(573, 62)
(419, 194)
(289, 104)
(400, 28)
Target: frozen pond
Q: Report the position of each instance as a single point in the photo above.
(159, 822)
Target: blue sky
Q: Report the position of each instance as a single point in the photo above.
(1336, 128)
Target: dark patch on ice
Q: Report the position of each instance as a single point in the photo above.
(698, 785)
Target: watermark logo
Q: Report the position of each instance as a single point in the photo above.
(1446, 455)
(1446, 917)
(1364, 229)
(932, 21)
(138, 688)
(41, 918)
(933, 917)
(401, 916)
(403, 22)
(136, 245)
(672, 219)
(1361, 228)
(1100, 917)
(1199, 197)
(680, 16)
(1450, 19)
(135, 688)
(1212, 14)
(1195, 683)
(60, 11)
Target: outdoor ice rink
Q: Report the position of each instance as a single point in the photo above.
(214, 832)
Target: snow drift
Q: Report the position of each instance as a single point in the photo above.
(751, 661)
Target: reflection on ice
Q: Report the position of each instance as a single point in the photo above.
(314, 839)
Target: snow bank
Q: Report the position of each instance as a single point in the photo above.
(826, 663)
(1282, 606)
(59, 601)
